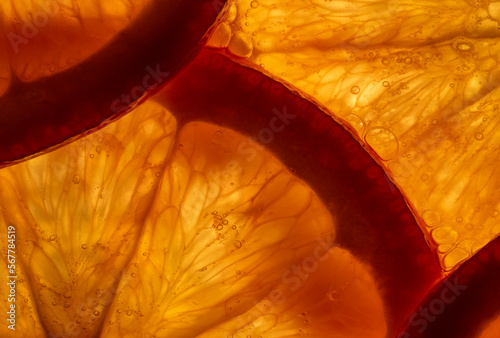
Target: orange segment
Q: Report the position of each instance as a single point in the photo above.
(226, 224)
(42, 37)
(79, 211)
(417, 82)
(333, 296)
(117, 238)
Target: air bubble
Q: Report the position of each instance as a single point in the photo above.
(431, 218)
(355, 90)
(385, 83)
(237, 244)
(76, 179)
(357, 122)
(220, 227)
(254, 4)
(233, 227)
(464, 46)
(333, 295)
(96, 313)
(444, 234)
(383, 141)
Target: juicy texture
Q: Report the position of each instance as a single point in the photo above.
(363, 185)
(374, 223)
(123, 237)
(417, 81)
(224, 237)
(78, 212)
(43, 37)
(47, 112)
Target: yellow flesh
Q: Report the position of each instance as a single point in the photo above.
(418, 82)
(42, 37)
(120, 232)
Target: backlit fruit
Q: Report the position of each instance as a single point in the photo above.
(128, 233)
(240, 207)
(418, 82)
(50, 110)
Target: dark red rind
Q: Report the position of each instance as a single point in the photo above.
(464, 303)
(373, 219)
(42, 114)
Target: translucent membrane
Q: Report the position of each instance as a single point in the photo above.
(417, 81)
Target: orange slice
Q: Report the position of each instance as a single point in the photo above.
(44, 37)
(416, 81)
(78, 212)
(120, 237)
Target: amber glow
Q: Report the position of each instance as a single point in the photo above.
(74, 257)
(417, 81)
(40, 38)
(147, 229)
(242, 216)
